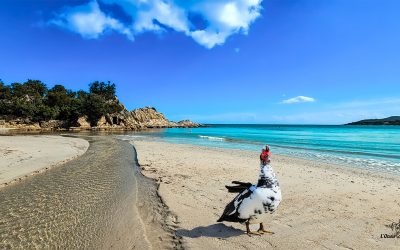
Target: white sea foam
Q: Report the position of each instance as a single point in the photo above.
(358, 162)
(379, 159)
(212, 138)
(130, 137)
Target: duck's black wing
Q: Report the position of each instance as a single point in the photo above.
(240, 187)
(231, 210)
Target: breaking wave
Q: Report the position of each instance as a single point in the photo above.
(212, 138)
(373, 148)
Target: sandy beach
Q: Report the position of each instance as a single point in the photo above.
(22, 156)
(324, 206)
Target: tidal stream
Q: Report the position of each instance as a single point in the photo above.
(87, 203)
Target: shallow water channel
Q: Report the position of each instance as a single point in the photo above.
(87, 203)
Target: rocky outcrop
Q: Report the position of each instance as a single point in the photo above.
(53, 124)
(151, 118)
(23, 124)
(137, 119)
(26, 124)
(82, 122)
(188, 124)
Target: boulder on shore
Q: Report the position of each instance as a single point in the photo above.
(83, 123)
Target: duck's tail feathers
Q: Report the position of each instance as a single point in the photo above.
(240, 187)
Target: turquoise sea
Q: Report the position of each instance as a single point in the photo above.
(370, 147)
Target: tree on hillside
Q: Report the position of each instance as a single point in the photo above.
(32, 100)
(59, 96)
(27, 101)
(5, 99)
(100, 101)
(5, 91)
(106, 90)
(30, 88)
(64, 102)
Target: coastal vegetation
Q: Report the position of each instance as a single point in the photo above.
(392, 120)
(34, 101)
(33, 106)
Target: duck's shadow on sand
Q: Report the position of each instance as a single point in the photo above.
(218, 230)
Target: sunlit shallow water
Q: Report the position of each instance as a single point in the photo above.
(376, 148)
(88, 203)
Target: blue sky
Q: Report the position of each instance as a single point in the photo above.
(219, 61)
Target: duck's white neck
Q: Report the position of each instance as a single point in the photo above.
(265, 170)
(267, 176)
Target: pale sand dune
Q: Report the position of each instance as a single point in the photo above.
(22, 156)
(324, 206)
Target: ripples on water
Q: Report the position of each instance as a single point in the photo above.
(375, 148)
(87, 204)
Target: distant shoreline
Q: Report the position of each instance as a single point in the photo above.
(392, 121)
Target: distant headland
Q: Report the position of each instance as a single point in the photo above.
(32, 106)
(392, 120)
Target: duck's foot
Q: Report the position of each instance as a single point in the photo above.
(262, 231)
(250, 233)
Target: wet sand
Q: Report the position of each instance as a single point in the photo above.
(96, 201)
(23, 156)
(324, 206)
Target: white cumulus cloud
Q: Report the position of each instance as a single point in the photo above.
(220, 18)
(89, 21)
(298, 99)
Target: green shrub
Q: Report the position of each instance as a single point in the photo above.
(34, 101)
